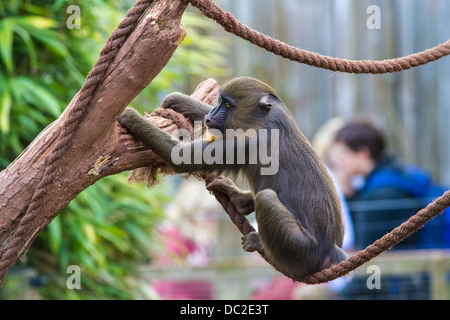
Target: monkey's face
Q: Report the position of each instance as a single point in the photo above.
(244, 103)
(217, 117)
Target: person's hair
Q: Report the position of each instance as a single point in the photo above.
(362, 134)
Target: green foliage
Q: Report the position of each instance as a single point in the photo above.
(200, 56)
(108, 229)
(42, 66)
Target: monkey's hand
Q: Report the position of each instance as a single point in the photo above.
(243, 201)
(187, 106)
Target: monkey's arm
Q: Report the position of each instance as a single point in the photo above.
(161, 142)
(187, 106)
(243, 201)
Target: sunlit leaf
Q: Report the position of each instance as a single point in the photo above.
(28, 44)
(5, 110)
(89, 231)
(6, 40)
(36, 22)
(38, 28)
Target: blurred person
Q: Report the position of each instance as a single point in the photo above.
(322, 142)
(382, 191)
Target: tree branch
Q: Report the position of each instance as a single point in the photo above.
(98, 142)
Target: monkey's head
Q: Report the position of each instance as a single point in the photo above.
(243, 103)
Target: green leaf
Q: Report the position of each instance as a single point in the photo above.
(89, 231)
(58, 4)
(55, 234)
(50, 39)
(34, 93)
(6, 40)
(115, 236)
(28, 44)
(39, 28)
(5, 110)
(36, 22)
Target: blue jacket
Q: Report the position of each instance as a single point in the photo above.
(391, 194)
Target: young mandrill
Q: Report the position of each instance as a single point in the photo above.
(300, 227)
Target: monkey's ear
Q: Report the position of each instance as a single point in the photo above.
(264, 104)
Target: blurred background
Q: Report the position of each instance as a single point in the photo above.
(174, 241)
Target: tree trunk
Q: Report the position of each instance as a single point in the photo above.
(98, 147)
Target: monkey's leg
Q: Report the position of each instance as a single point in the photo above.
(243, 201)
(187, 106)
(279, 231)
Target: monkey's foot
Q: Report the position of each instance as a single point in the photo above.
(250, 242)
(243, 201)
(222, 184)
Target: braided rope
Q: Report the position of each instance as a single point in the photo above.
(240, 221)
(232, 25)
(10, 253)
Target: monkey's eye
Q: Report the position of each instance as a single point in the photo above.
(227, 104)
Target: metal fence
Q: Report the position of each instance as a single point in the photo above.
(231, 273)
(409, 274)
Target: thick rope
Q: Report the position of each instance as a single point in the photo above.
(239, 220)
(10, 253)
(232, 25)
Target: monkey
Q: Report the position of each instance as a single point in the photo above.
(300, 229)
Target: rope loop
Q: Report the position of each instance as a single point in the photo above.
(232, 25)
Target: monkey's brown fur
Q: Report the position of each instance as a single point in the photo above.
(300, 227)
